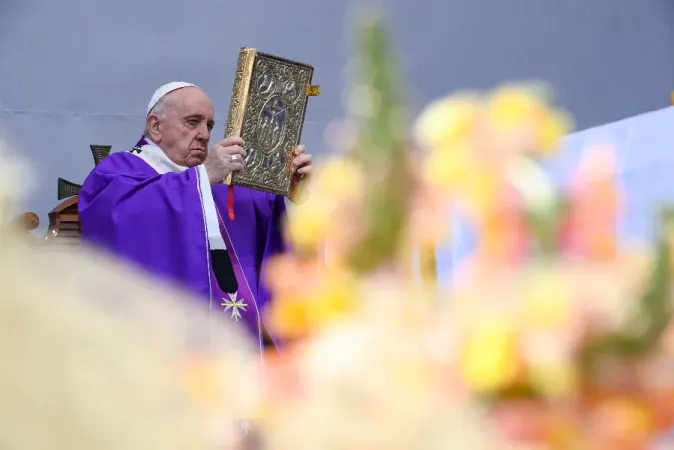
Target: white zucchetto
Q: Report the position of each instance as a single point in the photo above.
(166, 89)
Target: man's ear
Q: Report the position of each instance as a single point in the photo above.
(152, 125)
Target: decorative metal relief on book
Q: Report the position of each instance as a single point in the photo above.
(267, 109)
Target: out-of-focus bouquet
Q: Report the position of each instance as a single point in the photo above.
(551, 336)
(94, 354)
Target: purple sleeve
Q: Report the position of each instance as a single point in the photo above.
(153, 220)
(275, 243)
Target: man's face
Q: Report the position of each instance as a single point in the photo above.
(184, 129)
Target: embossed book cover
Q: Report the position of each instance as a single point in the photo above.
(267, 109)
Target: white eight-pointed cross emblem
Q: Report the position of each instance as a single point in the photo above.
(236, 305)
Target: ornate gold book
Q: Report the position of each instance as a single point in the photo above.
(267, 109)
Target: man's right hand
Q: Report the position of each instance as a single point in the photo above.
(224, 158)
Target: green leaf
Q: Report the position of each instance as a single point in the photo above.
(652, 313)
(378, 112)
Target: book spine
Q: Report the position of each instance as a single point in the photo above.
(237, 104)
(240, 90)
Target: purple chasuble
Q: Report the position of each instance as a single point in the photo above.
(157, 221)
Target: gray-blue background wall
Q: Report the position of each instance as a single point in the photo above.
(80, 72)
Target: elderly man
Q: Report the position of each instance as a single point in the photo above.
(161, 206)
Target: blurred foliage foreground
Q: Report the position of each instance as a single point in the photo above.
(551, 337)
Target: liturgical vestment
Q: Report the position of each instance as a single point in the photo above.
(157, 220)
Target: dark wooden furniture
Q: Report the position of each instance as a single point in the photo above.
(64, 219)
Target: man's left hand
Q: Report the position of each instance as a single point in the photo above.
(301, 170)
(301, 165)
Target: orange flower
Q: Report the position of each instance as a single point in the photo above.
(306, 298)
(623, 423)
(502, 229)
(591, 228)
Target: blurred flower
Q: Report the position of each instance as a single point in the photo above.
(337, 182)
(591, 229)
(200, 379)
(282, 382)
(535, 189)
(554, 379)
(306, 298)
(547, 301)
(429, 217)
(447, 122)
(513, 356)
(622, 423)
(339, 177)
(564, 432)
(667, 342)
(489, 357)
(502, 229)
(463, 180)
(551, 332)
(515, 321)
(554, 125)
(512, 105)
(520, 113)
(445, 169)
(308, 223)
(521, 421)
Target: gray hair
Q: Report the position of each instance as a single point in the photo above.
(159, 110)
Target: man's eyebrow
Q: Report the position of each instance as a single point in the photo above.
(210, 122)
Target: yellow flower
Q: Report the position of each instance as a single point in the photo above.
(480, 194)
(448, 170)
(286, 317)
(460, 175)
(338, 177)
(447, 121)
(554, 125)
(511, 106)
(332, 299)
(310, 223)
(547, 302)
(514, 108)
(489, 359)
(555, 379)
